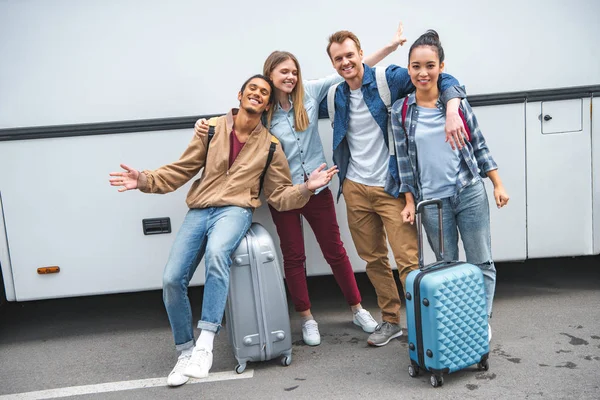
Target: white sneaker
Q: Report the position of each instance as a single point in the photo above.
(199, 363)
(310, 333)
(177, 377)
(364, 319)
(489, 333)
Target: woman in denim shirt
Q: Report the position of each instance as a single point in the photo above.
(294, 121)
(430, 168)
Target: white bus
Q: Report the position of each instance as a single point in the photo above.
(86, 85)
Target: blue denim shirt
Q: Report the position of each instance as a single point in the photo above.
(304, 150)
(400, 85)
(475, 158)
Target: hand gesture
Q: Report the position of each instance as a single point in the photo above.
(201, 127)
(127, 179)
(320, 177)
(399, 38)
(455, 131)
(500, 196)
(408, 214)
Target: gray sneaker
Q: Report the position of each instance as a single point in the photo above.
(384, 333)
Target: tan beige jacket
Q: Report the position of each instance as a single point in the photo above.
(220, 185)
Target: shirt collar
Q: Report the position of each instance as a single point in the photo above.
(368, 75)
(412, 99)
(229, 121)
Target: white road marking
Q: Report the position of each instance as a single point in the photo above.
(120, 386)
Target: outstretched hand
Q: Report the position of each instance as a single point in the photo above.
(201, 127)
(321, 177)
(399, 38)
(127, 179)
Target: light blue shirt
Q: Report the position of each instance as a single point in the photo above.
(304, 150)
(438, 163)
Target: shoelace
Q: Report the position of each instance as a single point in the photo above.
(382, 326)
(312, 328)
(200, 355)
(181, 363)
(365, 317)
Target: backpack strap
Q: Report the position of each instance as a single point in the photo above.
(331, 102)
(464, 120)
(272, 149)
(404, 111)
(211, 131)
(383, 88)
(386, 96)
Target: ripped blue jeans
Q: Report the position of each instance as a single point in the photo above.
(467, 212)
(213, 233)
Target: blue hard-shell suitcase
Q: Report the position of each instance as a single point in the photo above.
(446, 314)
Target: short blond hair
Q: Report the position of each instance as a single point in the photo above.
(340, 37)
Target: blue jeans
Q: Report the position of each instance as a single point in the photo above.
(215, 232)
(469, 212)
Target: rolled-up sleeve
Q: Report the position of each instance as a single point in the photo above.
(451, 89)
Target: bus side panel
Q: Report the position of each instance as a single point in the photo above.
(503, 127)
(61, 211)
(7, 289)
(559, 178)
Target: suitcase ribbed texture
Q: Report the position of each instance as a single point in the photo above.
(461, 320)
(257, 315)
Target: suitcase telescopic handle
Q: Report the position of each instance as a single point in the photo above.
(420, 206)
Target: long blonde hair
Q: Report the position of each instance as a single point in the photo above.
(300, 115)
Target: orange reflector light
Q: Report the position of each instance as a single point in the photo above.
(48, 270)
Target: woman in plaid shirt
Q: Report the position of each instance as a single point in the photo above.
(430, 168)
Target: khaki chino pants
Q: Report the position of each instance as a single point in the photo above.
(371, 214)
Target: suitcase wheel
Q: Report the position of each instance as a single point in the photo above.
(240, 368)
(436, 380)
(286, 360)
(413, 371)
(484, 365)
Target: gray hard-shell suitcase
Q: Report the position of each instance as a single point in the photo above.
(257, 317)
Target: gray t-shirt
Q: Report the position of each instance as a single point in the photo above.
(438, 163)
(368, 152)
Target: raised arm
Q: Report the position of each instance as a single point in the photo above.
(397, 40)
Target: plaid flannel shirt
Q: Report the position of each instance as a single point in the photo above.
(475, 158)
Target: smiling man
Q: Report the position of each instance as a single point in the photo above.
(369, 172)
(221, 204)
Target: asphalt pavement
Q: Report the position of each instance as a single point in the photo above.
(546, 345)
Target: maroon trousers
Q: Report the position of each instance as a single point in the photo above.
(319, 212)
